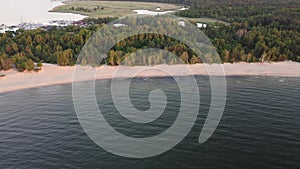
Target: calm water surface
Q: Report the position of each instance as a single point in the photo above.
(260, 127)
(12, 12)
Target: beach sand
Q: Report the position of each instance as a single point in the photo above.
(53, 75)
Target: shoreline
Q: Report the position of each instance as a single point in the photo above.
(52, 75)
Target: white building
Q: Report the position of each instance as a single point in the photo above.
(181, 23)
(183, 8)
(119, 25)
(201, 25)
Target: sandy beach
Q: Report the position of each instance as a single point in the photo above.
(54, 75)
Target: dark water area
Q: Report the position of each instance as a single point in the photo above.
(260, 127)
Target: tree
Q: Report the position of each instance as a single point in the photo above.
(15, 48)
(184, 57)
(22, 63)
(29, 65)
(64, 58)
(5, 63)
(39, 64)
(225, 55)
(195, 60)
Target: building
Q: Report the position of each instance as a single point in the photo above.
(46, 25)
(201, 25)
(119, 25)
(181, 23)
(81, 23)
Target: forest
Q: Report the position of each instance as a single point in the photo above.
(258, 31)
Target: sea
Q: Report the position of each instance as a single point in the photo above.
(14, 12)
(260, 127)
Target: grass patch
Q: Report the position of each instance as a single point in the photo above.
(206, 20)
(97, 9)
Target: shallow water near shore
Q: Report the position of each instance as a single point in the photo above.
(260, 127)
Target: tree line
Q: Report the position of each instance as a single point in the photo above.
(58, 45)
(259, 31)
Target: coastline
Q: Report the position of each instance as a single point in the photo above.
(55, 75)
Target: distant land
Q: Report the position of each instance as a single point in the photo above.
(241, 31)
(97, 9)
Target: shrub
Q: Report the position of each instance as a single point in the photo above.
(39, 64)
(22, 63)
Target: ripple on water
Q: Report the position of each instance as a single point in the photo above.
(260, 127)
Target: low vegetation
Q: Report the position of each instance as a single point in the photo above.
(97, 9)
